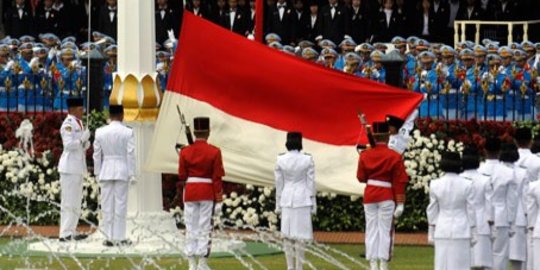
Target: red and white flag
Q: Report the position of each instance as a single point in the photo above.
(255, 94)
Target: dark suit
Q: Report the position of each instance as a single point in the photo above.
(441, 16)
(313, 30)
(463, 14)
(300, 22)
(419, 26)
(106, 26)
(511, 12)
(337, 27)
(250, 21)
(239, 24)
(359, 22)
(384, 31)
(46, 24)
(284, 26)
(165, 23)
(406, 20)
(201, 12)
(81, 24)
(19, 26)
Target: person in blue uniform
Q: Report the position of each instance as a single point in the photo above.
(449, 94)
(109, 70)
(70, 81)
(346, 46)
(376, 70)
(427, 83)
(504, 81)
(523, 92)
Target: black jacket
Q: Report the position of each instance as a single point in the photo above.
(19, 26)
(106, 26)
(337, 27)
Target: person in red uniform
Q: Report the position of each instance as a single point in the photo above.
(201, 167)
(383, 171)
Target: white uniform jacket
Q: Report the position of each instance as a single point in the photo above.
(450, 208)
(295, 180)
(482, 199)
(533, 203)
(530, 161)
(73, 159)
(114, 152)
(522, 183)
(504, 202)
(400, 141)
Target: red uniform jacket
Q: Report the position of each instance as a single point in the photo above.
(201, 160)
(383, 164)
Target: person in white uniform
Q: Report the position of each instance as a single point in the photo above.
(72, 168)
(451, 215)
(481, 255)
(502, 213)
(295, 199)
(531, 162)
(527, 159)
(533, 221)
(518, 231)
(114, 167)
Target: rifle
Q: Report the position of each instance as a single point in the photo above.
(365, 124)
(187, 129)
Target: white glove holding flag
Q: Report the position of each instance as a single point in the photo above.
(399, 210)
(170, 33)
(9, 65)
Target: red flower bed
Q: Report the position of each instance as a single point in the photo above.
(466, 131)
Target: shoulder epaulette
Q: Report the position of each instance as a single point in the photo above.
(468, 178)
(307, 154)
(281, 154)
(485, 174)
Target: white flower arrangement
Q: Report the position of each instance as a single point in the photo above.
(423, 156)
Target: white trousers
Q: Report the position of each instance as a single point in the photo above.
(452, 254)
(379, 217)
(198, 220)
(530, 251)
(114, 196)
(70, 203)
(294, 249)
(501, 249)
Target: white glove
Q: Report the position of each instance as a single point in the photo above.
(9, 65)
(375, 74)
(399, 210)
(511, 232)
(217, 208)
(132, 180)
(493, 232)
(474, 240)
(278, 210)
(170, 33)
(86, 145)
(85, 136)
(431, 235)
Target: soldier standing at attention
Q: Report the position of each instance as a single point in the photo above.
(114, 167)
(383, 171)
(72, 167)
(201, 167)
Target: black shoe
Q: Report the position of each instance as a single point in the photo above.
(126, 242)
(108, 243)
(64, 239)
(80, 237)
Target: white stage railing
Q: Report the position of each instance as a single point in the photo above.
(461, 26)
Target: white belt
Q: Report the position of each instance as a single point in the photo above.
(199, 180)
(379, 183)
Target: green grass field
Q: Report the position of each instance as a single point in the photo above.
(406, 257)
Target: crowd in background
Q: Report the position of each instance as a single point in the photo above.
(38, 71)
